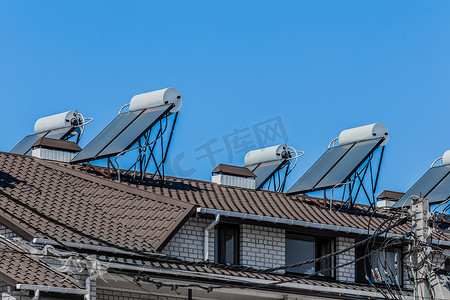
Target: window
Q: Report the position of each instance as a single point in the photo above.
(227, 244)
(301, 248)
(384, 266)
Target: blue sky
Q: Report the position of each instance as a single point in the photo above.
(318, 67)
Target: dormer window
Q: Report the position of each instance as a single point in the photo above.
(227, 241)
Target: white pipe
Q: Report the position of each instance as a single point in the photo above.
(206, 237)
(87, 247)
(333, 142)
(50, 289)
(308, 287)
(305, 224)
(36, 295)
(87, 286)
(435, 161)
(120, 110)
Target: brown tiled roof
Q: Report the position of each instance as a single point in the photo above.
(266, 203)
(18, 267)
(89, 209)
(271, 204)
(145, 215)
(233, 171)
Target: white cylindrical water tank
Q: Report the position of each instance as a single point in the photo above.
(157, 98)
(362, 133)
(446, 158)
(65, 119)
(265, 154)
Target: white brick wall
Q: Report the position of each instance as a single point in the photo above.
(345, 273)
(262, 247)
(188, 241)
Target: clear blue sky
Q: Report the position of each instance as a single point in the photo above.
(318, 66)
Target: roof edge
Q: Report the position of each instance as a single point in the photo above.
(176, 228)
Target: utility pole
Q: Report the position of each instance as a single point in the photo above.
(420, 210)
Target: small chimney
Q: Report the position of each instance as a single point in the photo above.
(51, 149)
(234, 176)
(387, 199)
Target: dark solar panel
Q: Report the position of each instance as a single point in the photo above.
(24, 146)
(127, 138)
(106, 136)
(433, 185)
(335, 166)
(318, 169)
(441, 191)
(59, 134)
(266, 170)
(348, 164)
(121, 133)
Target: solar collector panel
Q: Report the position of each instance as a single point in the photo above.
(122, 133)
(131, 134)
(24, 146)
(59, 134)
(436, 178)
(348, 164)
(335, 166)
(264, 171)
(441, 191)
(105, 137)
(325, 162)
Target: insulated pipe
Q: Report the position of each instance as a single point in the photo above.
(303, 224)
(207, 229)
(50, 289)
(36, 295)
(87, 286)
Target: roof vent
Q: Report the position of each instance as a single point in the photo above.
(234, 176)
(51, 149)
(387, 199)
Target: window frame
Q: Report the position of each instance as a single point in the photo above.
(220, 245)
(318, 240)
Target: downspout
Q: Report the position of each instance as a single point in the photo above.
(206, 242)
(36, 295)
(87, 286)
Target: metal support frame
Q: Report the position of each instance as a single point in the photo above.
(356, 183)
(277, 180)
(149, 151)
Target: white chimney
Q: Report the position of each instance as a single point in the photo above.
(234, 176)
(57, 150)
